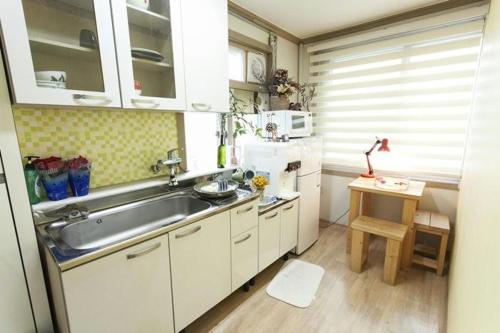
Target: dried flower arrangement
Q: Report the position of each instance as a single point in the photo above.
(281, 84)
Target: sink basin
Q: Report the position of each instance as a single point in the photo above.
(126, 222)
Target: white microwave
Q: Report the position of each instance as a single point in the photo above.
(296, 124)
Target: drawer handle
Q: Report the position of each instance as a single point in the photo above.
(201, 106)
(87, 98)
(247, 237)
(272, 216)
(290, 207)
(190, 232)
(144, 251)
(152, 102)
(241, 211)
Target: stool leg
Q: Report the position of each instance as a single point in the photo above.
(391, 264)
(359, 239)
(442, 254)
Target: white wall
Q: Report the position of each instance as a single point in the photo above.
(287, 56)
(335, 201)
(474, 288)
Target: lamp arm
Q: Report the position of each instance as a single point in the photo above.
(370, 168)
(368, 153)
(373, 147)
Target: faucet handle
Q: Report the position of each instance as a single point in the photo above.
(171, 153)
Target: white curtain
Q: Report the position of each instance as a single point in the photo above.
(411, 83)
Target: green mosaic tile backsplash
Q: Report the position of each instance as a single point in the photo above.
(121, 144)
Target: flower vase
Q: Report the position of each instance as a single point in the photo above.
(261, 196)
(279, 102)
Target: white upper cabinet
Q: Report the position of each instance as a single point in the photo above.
(149, 52)
(205, 40)
(60, 52)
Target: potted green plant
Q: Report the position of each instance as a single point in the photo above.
(238, 109)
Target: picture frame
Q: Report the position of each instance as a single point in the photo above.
(256, 67)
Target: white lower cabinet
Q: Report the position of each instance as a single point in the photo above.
(269, 238)
(127, 291)
(244, 257)
(289, 226)
(200, 256)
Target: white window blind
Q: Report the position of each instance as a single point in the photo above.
(411, 83)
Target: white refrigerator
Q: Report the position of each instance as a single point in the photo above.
(309, 186)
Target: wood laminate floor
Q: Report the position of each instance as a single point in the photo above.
(345, 301)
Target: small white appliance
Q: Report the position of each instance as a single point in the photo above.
(309, 186)
(279, 160)
(296, 124)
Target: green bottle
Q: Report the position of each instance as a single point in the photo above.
(32, 180)
(221, 153)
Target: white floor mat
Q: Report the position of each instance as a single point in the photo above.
(296, 283)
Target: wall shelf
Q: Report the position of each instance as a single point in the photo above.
(63, 49)
(147, 19)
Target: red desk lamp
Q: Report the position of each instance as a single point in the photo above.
(384, 146)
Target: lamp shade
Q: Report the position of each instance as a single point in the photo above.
(385, 145)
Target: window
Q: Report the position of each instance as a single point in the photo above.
(412, 84)
(237, 63)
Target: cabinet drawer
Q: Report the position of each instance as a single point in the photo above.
(289, 226)
(244, 218)
(269, 238)
(244, 257)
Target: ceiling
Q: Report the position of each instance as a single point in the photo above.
(310, 18)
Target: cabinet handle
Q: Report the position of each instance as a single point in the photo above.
(290, 207)
(190, 232)
(241, 211)
(271, 216)
(87, 98)
(144, 251)
(152, 102)
(201, 106)
(247, 237)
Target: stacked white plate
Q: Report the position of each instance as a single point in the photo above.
(51, 84)
(51, 79)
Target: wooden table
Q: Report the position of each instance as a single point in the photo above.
(362, 188)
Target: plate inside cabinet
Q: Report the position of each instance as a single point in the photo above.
(147, 54)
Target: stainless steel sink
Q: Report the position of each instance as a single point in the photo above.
(121, 223)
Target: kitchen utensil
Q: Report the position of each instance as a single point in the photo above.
(143, 4)
(216, 189)
(88, 39)
(147, 54)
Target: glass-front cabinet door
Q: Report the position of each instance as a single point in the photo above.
(60, 52)
(149, 52)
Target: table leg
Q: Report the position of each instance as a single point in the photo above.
(367, 204)
(409, 209)
(353, 214)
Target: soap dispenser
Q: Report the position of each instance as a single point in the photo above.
(32, 180)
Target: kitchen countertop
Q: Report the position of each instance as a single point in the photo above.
(67, 258)
(280, 202)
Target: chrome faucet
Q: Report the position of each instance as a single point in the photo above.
(172, 162)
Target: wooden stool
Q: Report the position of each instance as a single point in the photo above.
(435, 224)
(395, 233)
